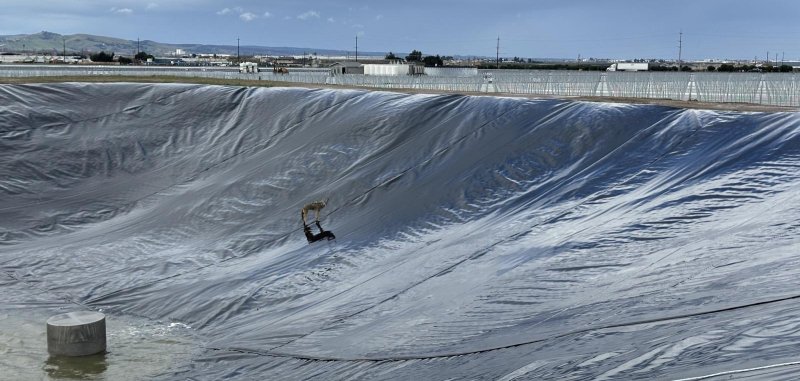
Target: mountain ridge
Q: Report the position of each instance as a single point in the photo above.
(49, 42)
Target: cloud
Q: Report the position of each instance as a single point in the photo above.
(308, 15)
(330, 19)
(358, 26)
(267, 15)
(243, 15)
(378, 17)
(122, 11)
(151, 6)
(247, 16)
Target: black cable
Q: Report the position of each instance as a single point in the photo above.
(268, 353)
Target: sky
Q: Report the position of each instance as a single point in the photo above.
(712, 29)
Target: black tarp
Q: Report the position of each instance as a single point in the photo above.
(478, 237)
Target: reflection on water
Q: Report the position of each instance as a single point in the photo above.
(137, 350)
(78, 368)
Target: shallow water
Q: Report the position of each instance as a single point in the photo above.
(477, 237)
(136, 350)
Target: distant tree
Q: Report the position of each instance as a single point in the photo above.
(143, 56)
(391, 56)
(102, 57)
(686, 68)
(726, 68)
(432, 61)
(415, 55)
(124, 60)
(711, 68)
(786, 69)
(663, 68)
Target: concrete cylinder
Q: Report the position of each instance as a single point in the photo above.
(79, 333)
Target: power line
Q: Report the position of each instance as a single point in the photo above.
(498, 52)
(680, 48)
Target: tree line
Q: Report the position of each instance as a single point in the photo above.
(765, 68)
(416, 56)
(106, 57)
(516, 63)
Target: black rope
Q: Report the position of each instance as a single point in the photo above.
(268, 353)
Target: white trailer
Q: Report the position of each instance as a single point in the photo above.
(248, 67)
(386, 69)
(629, 66)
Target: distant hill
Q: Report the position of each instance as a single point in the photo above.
(48, 42)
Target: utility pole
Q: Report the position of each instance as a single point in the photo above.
(497, 59)
(65, 49)
(680, 48)
(238, 59)
(138, 49)
(356, 48)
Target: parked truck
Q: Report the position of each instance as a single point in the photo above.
(629, 66)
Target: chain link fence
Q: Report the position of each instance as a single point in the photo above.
(777, 89)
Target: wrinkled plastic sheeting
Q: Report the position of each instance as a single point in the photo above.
(478, 237)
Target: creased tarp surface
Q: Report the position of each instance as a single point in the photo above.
(478, 237)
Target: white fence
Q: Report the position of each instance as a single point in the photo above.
(451, 71)
(374, 69)
(779, 89)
